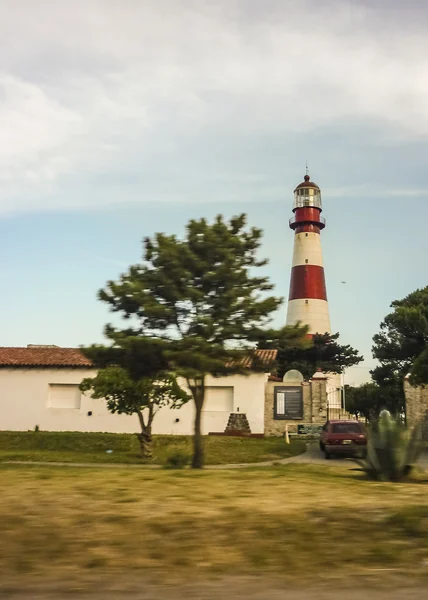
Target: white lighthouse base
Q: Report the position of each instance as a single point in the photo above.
(311, 312)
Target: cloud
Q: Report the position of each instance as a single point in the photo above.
(365, 192)
(102, 100)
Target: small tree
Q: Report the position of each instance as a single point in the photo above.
(389, 388)
(143, 397)
(321, 352)
(364, 400)
(200, 300)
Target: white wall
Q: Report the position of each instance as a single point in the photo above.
(25, 396)
(248, 397)
(334, 390)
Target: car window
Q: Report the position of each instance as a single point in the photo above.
(346, 428)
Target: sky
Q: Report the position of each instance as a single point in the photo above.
(122, 118)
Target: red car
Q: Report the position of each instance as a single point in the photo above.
(346, 438)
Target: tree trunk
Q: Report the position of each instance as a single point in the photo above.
(145, 439)
(198, 446)
(198, 391)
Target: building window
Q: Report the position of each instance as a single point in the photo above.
(64, 395)
(218, 399)
(288, 403)
(306, 260)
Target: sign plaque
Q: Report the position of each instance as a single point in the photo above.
(288, 403)
(309, 429)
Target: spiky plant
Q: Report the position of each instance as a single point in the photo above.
(392, 450)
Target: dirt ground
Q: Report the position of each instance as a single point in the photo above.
(236, 589)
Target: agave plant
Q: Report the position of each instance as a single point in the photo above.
(392, 450)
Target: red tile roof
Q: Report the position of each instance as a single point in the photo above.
(267, 357)
(43, 356)
(54, 356)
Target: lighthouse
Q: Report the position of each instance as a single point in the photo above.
(307, 300)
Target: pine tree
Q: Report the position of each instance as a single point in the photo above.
(199, 300)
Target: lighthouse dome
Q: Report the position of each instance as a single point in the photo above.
(307, 183)
(307, 193)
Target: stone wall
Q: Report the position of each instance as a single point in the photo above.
(314, 405)
(417, 406)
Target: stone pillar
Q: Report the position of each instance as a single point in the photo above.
(319, 397)
(417, 406)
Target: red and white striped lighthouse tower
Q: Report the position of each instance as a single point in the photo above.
(307, 301)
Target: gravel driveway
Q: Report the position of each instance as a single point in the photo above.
(315, 456)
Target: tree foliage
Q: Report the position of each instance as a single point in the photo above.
(200, 301)
(143, 397)
(139, 356)
(419, 373)
(322, 351)
(368, 400)
(390, 388)
(401, 346)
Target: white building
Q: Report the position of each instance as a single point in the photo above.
(39, 386)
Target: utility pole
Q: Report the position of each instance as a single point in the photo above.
(343, 393)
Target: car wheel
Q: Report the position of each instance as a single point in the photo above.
(327, 455)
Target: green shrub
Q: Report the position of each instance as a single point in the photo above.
(392, 450)
(177, 460)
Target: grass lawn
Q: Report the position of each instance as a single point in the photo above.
(83, 526)
(92, 448)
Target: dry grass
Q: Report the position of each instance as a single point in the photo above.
(75, 525)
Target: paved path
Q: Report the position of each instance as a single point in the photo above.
(313, 455)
